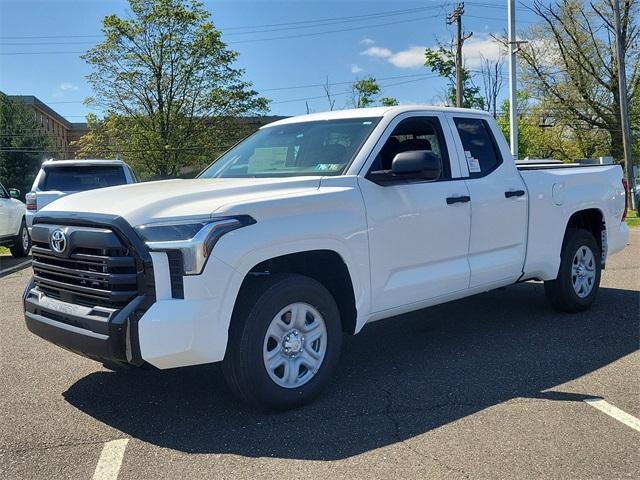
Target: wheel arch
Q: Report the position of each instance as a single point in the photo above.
(324, 265)
(592, 220)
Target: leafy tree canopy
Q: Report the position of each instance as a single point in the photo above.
(23, 145)
(442, 62)
(168, 86)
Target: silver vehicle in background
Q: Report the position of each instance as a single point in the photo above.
(58, 178)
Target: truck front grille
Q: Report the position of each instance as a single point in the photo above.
(98, 269)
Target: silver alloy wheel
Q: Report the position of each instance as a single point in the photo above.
(295, 345)
(583, 271)
(25, 239)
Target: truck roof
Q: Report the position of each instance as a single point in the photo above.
(372, 112)
(82, 162)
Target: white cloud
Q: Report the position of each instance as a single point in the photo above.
(68, 87)
(378, 52)
(475, 49)
(412, 57)
(355, 68)
(367, 41)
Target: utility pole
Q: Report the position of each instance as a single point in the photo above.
(624, 107)
(456, 16)
(513, 85)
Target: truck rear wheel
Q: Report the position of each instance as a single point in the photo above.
(284, 341)
(578, 280)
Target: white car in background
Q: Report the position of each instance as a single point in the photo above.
(58, 178)
(13, 227)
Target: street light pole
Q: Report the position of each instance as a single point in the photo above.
(624, 107)
(513, 110)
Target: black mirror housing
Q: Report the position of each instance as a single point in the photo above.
(14, 193)
(418, 164)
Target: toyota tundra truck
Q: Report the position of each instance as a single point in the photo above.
(309, 229)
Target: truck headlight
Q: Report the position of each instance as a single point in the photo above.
(194, 238)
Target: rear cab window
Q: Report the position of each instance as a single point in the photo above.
(76, 178)
(480, 149)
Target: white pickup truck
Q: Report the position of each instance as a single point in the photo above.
(310, 228)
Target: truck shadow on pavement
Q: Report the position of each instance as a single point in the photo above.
(397, 379)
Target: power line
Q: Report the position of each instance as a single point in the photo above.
(265, 39)
(338, 21)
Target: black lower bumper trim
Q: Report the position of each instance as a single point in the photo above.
(113, 340)
(77, 340)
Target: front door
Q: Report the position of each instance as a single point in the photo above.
(418, 231)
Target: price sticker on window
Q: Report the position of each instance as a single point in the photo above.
(472, 162)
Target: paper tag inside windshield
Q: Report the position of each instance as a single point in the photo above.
(472, 162)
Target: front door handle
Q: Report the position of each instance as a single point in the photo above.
(461, 199)
(514, 193)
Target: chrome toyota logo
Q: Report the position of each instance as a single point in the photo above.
(58, 241)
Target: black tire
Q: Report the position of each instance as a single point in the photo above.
(561, 292)
(19, 250)
(259, 302)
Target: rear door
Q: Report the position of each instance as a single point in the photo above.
(499, 212)
(418, 230)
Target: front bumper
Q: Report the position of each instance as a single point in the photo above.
(171, 322)
(99, 334)
(75, 298)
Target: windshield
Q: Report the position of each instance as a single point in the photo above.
(80, 178)
(308, 148)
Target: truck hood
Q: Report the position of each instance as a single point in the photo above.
(141, 203)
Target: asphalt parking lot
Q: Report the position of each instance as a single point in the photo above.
(488, 387)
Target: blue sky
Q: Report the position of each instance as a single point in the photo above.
(387, 44)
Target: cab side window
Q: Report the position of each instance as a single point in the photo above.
(417, 133)
(480, 149)
(3, 192)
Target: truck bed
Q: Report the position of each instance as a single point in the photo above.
(555, 192)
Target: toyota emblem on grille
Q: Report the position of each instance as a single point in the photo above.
(58, 241)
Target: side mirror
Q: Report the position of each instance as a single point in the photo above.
(417, 163)
(14, 193)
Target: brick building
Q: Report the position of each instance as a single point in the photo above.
(55, 125)
(64, 132)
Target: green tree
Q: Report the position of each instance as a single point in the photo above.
(389, 101)
(569, 68)
(442, 62)
(23, 145)
(543, 136)
(169, 86)
(364, 92)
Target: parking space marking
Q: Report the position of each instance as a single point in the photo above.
(15, 267)
(110, 460)
(614, 412)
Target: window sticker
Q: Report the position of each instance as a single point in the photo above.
(328, 167)
(472, 162)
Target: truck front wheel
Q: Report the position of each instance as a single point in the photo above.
(578, 280)
(284, 341)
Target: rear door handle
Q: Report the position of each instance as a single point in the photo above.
(514, 193)
(461, 199)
